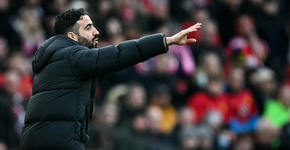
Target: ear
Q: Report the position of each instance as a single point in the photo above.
(72, 36)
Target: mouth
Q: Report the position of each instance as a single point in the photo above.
(95, 40)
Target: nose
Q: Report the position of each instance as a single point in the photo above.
(95, 32)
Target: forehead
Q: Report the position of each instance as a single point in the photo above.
(84, 20)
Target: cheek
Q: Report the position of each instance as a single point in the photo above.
(86, 34)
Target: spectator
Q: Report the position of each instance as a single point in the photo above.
(30, 30)
(128, 11)
(225, 139)
(115, 31)
(103, 127)
(264, 86)
(188, 139)
(161, 73)
(186, 123)
(133, 103)
(105, 10)
(210, 65)
(225, 13)
(157, 140)
(161, 98)
(158, 17)
(266, 136)
(59, 5)
(210, 42)
(242, 105)
(210, 127)
(175, 68)
(214, 120)
(117, 94)
(48, 24)
(197, 15)
(6, 25)
(19, 63)
(181, 66)
(213, 98)
(246, 49)
(271, 27)
(245, 142)
(278, 111)
(185, 60)
(134, 135)
(12, 113)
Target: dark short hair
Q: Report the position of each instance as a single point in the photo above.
(65, 21)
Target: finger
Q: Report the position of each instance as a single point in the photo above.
(184, 32)
(192, 30)
(198, 24)
(194, 27)
(190, 41)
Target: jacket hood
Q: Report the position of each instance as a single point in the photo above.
(47, 49)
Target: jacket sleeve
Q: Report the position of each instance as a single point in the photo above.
(95, 62)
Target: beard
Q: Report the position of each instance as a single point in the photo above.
(86, 42)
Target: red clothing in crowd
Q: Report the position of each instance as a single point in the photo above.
(25, 85)
(242, 106)
(241, 51)
(202, 103)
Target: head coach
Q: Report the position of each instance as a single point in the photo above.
(66, 68)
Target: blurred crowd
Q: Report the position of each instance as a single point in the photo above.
(228, 91)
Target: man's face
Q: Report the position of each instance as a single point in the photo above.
(88, 34)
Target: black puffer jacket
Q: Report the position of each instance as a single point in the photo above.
(64, 86)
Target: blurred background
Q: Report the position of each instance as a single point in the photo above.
(228, 91)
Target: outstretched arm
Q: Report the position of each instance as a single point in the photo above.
(86, 63)
(180, 38)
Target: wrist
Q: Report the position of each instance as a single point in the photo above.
(169, 41)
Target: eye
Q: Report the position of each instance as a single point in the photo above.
(88, 27)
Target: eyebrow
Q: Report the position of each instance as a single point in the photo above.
(88, 25)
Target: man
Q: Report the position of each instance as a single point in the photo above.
(66, 67)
